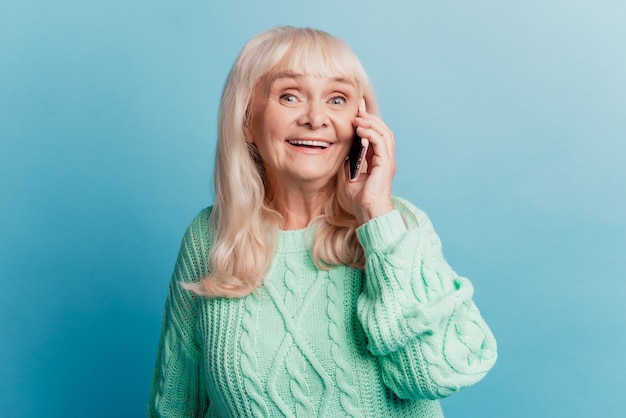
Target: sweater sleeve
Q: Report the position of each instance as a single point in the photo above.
(418, 314)
(176, 389)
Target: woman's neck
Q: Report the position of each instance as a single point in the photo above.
(298, 206)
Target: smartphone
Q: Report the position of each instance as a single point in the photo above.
(355, 157)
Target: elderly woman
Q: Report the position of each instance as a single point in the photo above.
(302, 292)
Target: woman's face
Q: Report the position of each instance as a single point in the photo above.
(303, 126)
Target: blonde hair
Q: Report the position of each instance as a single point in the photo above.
(246, 228)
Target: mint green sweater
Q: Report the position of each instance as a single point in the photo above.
(384, 342)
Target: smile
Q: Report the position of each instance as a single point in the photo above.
(309, 143)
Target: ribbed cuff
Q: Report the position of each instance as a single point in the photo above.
(381, 232)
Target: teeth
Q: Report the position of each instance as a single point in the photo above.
(309, 143)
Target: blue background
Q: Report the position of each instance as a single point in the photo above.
(510, 124)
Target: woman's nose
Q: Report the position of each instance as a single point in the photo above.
(314, 115)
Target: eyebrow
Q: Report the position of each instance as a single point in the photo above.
(292, 75)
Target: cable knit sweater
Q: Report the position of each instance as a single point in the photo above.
(384, 342)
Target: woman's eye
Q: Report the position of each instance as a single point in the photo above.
(339, 100)
(289, 98)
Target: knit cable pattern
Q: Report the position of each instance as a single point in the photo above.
(295, 355)
(249, 366)
(312, 342)
(348, 393)
(432, 342)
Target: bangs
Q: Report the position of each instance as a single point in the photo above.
(320, 55)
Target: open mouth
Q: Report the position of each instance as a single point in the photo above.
(309, 143)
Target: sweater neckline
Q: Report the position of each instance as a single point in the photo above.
(293, 238)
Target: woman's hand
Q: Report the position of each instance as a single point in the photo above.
(370, 194)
